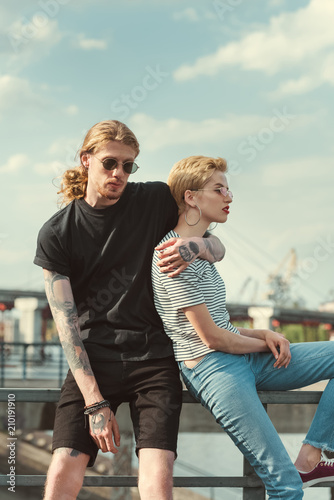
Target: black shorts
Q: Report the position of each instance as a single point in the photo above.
(153, 390)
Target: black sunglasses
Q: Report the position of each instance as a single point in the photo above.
(129, 167)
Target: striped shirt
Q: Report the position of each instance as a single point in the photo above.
(199, 283)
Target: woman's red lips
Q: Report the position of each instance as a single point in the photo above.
(227, 210)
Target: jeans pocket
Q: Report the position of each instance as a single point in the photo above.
(182, 366)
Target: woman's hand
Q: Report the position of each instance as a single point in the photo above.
(279, 346)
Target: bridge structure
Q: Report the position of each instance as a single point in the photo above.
(34, 311)
(33, 305)
(270, 316)
(10, 295)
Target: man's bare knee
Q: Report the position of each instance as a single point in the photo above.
(65, 474)
(155, 474)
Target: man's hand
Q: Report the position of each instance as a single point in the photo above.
(176, 254)
(280, 347)
(104, 430)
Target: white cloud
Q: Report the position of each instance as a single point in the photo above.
(322, 71)
(291, 39)
(71, 110)
(14, 256)
(54, 168)
(15, 163)
(17, 93)
(90, 43)
(31, 39)
(154, 134)
(303, 170)
(20, 161)
(299, 192)
(189, 14)
(66, 149)
(301, 85)
(276, 3)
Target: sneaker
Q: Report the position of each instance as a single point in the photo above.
(323, 472)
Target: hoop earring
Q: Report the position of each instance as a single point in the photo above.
(199, 218)
(214, 227)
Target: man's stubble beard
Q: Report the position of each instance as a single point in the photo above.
(106, 193)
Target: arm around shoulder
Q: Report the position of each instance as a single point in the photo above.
(214, 250)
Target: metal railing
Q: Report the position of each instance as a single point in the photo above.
(30, 354)
(250, 483)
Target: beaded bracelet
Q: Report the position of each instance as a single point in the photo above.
(95, 404)
(88, 410)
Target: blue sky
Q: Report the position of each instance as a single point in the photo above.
(248, 81)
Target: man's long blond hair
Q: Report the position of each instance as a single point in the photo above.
(74, 181)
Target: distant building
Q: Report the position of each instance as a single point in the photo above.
(328, 307)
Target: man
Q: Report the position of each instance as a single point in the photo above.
(96, 257)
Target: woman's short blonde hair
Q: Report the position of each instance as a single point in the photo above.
(192, 173)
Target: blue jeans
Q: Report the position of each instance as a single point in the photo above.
(227, 385)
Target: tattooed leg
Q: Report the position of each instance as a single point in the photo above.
(71, 452)
(65, 474)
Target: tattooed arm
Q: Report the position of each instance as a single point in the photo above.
(177, 253)
(213, 250)
(103, 425)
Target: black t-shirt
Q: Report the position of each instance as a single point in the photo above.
(107, 255)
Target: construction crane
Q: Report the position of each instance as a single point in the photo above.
(279, 280)
(243, 288)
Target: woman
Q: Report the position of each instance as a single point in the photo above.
(224, 366)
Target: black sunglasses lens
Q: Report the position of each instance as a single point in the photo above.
(130, 167)
(109, 163)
